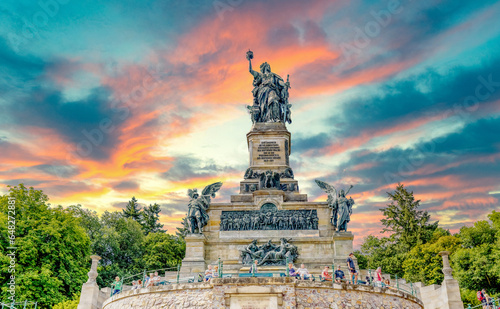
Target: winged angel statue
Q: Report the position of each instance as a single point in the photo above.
(339, 204)
(197, 208)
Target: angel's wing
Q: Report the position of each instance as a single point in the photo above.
(330, 190)
(211, 189)
(326, 187)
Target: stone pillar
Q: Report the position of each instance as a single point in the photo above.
(450, 291)
(342, 246)
(90, 290)
(194, 261)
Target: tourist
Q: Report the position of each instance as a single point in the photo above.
(488, 299)
(353, 274)
(304, 273)
(378, 277)
(387, 282)
(339, 275)
(146, 280)
(367, 280)
(291, 270)
(208, 273)
(156, 279)
(134, 285)
(325, 275)
(253, 268)
(139, 284)
(215, 273)
(150, 280)
(483, 298)
(117, 286)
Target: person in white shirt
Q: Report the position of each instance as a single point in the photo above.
(215, 273)
(304, 273)
(156, 279)
(208, 273)
(253, 268)
(150, 282)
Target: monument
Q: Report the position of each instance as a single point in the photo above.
(269, 204)
(268, 222)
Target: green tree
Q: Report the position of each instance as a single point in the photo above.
(151, 219)
(163, 250)
(133, 210)
(52, 248)
(362, 259)
(121, 247)
(424, 264)
(90, 222)
(383, 252)
(408, 225)
(481, 233)
(476, 263)
(68, 304)
(183, 230)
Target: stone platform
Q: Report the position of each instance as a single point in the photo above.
(286, 293)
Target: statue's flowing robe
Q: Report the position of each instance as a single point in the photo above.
(269, 91)
(334, 206)
(344, 213)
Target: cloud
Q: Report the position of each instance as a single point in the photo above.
(302, 143)
(126, 185)
(186, 167)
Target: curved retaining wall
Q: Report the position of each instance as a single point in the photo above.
(286, 292)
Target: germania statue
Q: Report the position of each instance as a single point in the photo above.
(341, 206)
(270, 95)
(197, 216)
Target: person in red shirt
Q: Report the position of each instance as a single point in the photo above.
(325, 275)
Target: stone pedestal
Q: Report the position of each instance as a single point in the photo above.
(269, 146)
(342, 246)
(89, 298)
(194, 261)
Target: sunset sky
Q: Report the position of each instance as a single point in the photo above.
(102, 101)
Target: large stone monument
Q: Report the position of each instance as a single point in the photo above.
(269, 220)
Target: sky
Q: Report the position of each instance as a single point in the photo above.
(104, 100)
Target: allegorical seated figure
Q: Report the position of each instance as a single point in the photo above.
(270, 93)
(269, 254)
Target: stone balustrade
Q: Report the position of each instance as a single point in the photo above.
(272, 292)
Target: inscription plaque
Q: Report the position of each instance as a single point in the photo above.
(254, 302)
(268, 151)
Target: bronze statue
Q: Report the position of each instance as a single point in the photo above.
(270, 180)
(269, 254)
(339, 204)
(270, 92)
(197, 208)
